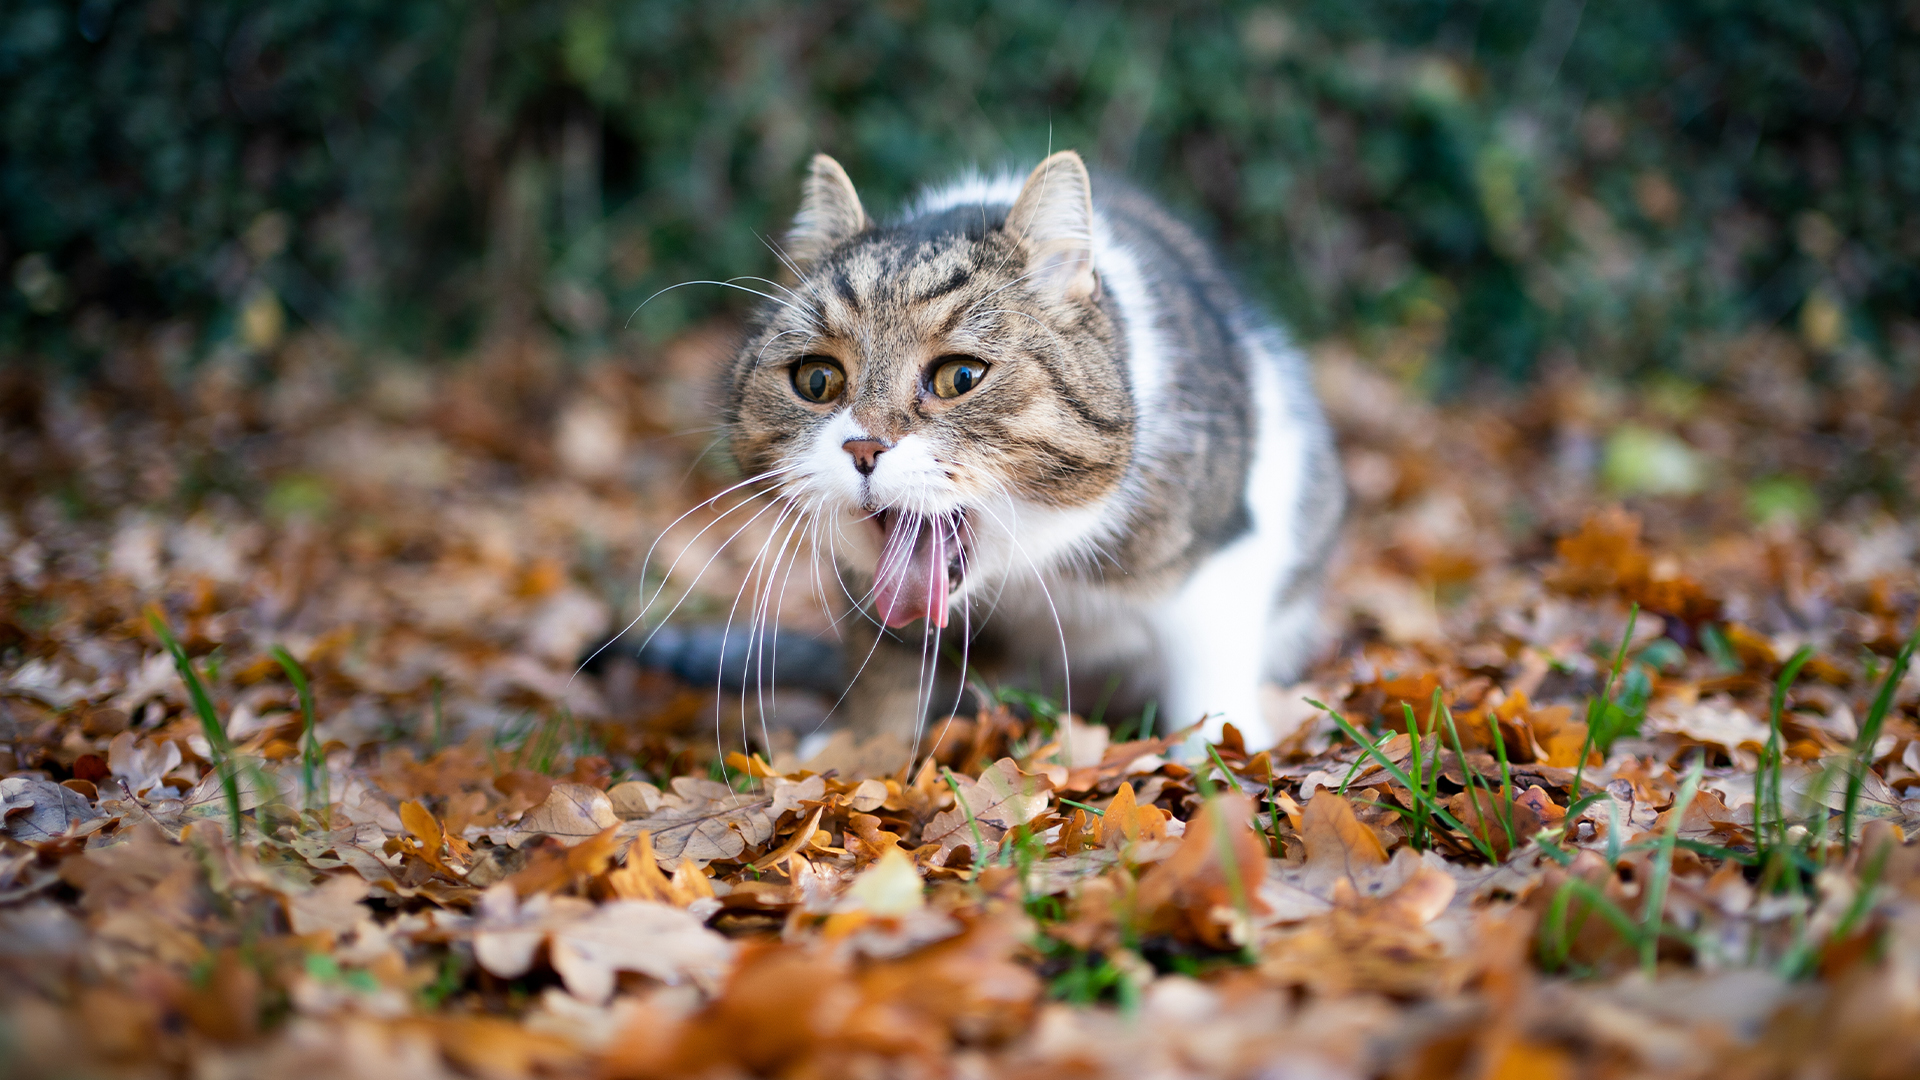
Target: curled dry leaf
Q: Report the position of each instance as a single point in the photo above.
(38, 810)
(142, 765)
(1126, 822)
(1209, 889)
(890, 887)
(333, 907)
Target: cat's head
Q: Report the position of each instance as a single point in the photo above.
(946, 398)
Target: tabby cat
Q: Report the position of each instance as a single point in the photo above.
(1036, 423)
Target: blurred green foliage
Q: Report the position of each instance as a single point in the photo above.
(1490, 181)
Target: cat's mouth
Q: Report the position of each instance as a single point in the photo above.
(923, 560)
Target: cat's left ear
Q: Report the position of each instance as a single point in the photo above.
(1053, 217)
(830, 212)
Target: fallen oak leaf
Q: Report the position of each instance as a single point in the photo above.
(1127, 822)
(571, 814)
(333, 907)
(867, 841)
(509, 930)
(640, 878)
(142, 767)
(1002, 798)
(1208, 889)
(1339, 846)
(427, 835)
(634, 799)
(868, 795)
(36, 810)
(550, 869)
(789, 796)
(704, 820)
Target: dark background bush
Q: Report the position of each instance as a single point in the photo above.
(1494, 182)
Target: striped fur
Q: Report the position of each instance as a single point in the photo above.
(1143, 476)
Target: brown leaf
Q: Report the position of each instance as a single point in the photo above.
(571, 813)
(1000, 799)
(1199, 894)
(334, 907)
(1338, 845)
(39, 810)
(1366, 943)
(801, 838)
(653, 939)
(705, 820)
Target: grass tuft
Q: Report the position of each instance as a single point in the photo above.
(1870, 733)
(218, 745)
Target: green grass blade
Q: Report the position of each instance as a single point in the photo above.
(1475, 782)
(1771, 760)
(1419, 837)
(1661, 874)
(313, 765)
(1870, 733)
(1232, 780)
(1594, 706)
(217, 742)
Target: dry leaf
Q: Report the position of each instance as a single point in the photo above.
(653, 939)
(1000, 799)
(571, 814)
(705, 820)
(1338, 845)
(40, 810)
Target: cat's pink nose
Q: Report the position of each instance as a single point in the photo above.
(865, 452)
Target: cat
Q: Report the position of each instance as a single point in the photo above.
(1038, 420)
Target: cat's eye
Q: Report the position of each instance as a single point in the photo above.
(819, 379)
(958, 374)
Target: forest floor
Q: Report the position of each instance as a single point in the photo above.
(1617, 763)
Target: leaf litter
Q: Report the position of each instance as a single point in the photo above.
(1593, 782)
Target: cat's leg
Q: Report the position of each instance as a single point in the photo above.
(1212, 637)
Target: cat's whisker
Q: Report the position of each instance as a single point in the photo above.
(668, 617)
(793, 268)
(768, 674)
(747, 580)
(648, 558)
(966, 645)
(1040, 579)
(767, 627)
(723, 284)
(760, 356)
(790, 294)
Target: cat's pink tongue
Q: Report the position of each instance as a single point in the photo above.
(911, 581)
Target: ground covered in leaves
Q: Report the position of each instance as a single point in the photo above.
(1608, 772)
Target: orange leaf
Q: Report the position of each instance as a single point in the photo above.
(1335, 837)
(1127, 822)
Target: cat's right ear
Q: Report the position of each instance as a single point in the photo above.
(830, 212)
